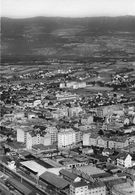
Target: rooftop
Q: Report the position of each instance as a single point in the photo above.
(34, 167)
(95, 185)
(79, 184)
(16, 145)
(42, 147)
(54, 180)
(68, 174)
(90, 170)
(19, 186)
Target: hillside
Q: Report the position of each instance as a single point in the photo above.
(68, 37)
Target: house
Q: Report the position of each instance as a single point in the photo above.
(87, 151)
(118, 142)
(124, 160)
(102, 142)
(93, 140)
(107, 152)
(126, 121)
(87, 120)
(74, 111)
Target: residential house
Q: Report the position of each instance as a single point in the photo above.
(124, 160)
(118, 142)
(93, 139)
(102, 142)
(107, 152)
(87, 120)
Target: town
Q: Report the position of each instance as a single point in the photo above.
(68, 131)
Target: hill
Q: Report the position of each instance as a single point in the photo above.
(67, 37)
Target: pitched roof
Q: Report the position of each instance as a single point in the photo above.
(122, 155)
(79, 184)
(68, 174)
(96, 184)
(54, 180)
(94, 136)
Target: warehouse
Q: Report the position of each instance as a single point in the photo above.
(53, 180)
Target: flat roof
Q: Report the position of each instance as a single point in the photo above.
(34, 167)
(19, 186)
(90, 170)
(16, 145)
(42, 147)
(51, 162)
(43, 163)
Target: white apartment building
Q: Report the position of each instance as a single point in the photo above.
(74, 111)
(30, 138)
(66, 137)
(22, 134)
(86, 139)
(73, 84)
(66, 96)
(83, 188)
(37, 139)
(54, 133)
(79, 188)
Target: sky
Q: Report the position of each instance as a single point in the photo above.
(66, 8)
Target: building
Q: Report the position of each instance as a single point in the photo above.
(22, 133)
(102, 142)
(54, 181)
(32, 137)
(87, 188)
(36, 103)
(66, 96)
(66, 138)
(35, 139)
(78, 136)
(74, 111)
(21, 189)
(15, 146)
(86, 139)
(97, 188)
(54, 133)
(60, 112)
(124, 160)
(79, 188)
(73, 84)
(88, 171)
(87, 120)
(69, 176)
(118, 142)
(87, 151)
(93, 140)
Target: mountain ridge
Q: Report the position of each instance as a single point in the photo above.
(64, 36)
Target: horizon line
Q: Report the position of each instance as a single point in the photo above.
(70, 17)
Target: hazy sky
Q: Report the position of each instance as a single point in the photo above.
(66, 8)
